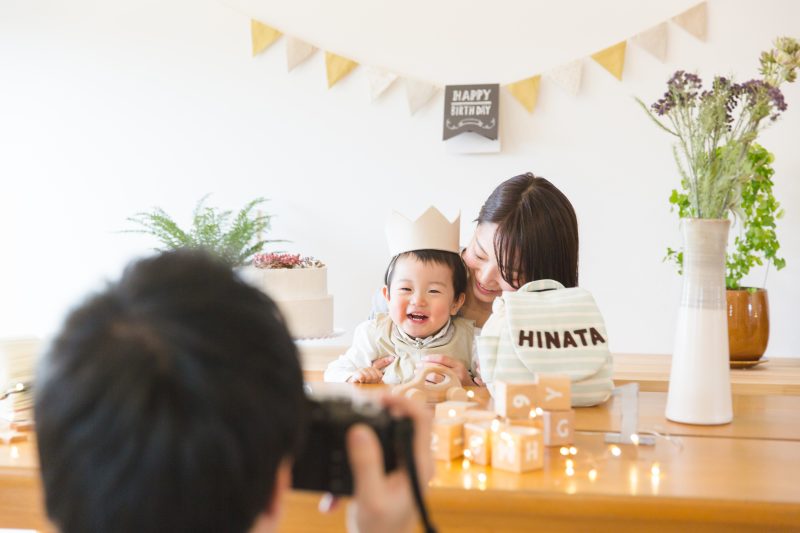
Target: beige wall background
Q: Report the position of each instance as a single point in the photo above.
(109, 108)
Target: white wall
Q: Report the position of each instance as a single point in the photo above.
(108, 108)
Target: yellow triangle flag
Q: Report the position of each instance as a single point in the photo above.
(526, 91)
(337, 67)
(262, 36)
(612, 59)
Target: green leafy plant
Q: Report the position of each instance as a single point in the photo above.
(758, 211)
(235, 239)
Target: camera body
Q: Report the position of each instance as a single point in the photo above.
(323, 464)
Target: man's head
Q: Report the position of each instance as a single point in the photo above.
(170, 401)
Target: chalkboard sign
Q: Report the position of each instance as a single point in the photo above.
(472, 108)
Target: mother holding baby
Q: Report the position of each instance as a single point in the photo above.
(527, 230)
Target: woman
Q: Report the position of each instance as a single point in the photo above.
(527, 230)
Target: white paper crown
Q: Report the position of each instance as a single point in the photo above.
(431, 231)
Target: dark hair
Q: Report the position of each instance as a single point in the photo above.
(537, 231)
(167, 402)
(451, 260)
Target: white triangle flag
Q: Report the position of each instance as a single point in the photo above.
(297, 51)
(418, 93)
(568, 76)
(379, 81)
(694, 20)
(653, 41)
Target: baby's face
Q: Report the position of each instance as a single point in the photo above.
(421, 298)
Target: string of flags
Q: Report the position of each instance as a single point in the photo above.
(525, 91)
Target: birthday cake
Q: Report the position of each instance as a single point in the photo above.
(299, 286)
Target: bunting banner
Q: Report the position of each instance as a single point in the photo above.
(418, 93)
(612, 59)
(262, 36)
(337, 67)
(297, 51)
(653, 41)
(379, 80)
(466, 120)
(694, 20)
(568, 76)
(526, 92)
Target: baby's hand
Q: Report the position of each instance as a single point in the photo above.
(372, 374)
(367, 375)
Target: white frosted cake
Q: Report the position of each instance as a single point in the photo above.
(299, 287)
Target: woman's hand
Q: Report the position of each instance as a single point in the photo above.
(372, 374)
(454, 365)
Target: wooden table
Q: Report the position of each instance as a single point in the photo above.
(651, 372)
(742, 477)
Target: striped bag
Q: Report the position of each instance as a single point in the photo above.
(545, 328)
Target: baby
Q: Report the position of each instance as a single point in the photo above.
(424, 289)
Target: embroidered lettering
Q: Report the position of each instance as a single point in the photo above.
(596, 337)
(568, 340)
(539, 338)
(552, 339)
(523, 337)
(582, 334)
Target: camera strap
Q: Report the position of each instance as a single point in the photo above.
(411, 466)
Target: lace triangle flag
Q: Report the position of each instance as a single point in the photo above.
(297, 51)
(694, 20)
(379, 81)
(262, 36)
(568, 76)
(337, 67)
(526, 91)
(653, 41)
(418, 93)
(612, 59)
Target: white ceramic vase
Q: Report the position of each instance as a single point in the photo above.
(699, 382)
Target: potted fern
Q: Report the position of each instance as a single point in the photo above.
(235, 240)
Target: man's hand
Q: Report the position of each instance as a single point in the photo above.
(384, 502)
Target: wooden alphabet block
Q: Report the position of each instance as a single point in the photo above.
(553, 392)
(478, 442)
(517, 449)
(447, 438)
(559, 427)
(514, 400)
(479, 415)
(453, 409)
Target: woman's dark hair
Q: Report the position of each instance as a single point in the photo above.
(451, 260)
(167, 403)
(537, 231)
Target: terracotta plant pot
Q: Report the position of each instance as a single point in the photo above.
(748, 324)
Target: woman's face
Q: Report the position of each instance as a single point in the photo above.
(485, 280)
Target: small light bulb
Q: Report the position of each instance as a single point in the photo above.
(20, 387)
(470, 394)
(482, 477)
(467, 453)
(465, 464)
(615, 451)
(570, 464)
(635, 439)
(592, 475)
(539, 411)
(532, 413)
(570, 471)
(451, 413)
(573, 450)
(495, 425)
(564, 450)
(655, 470)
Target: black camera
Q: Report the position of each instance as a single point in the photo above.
(323, 465)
